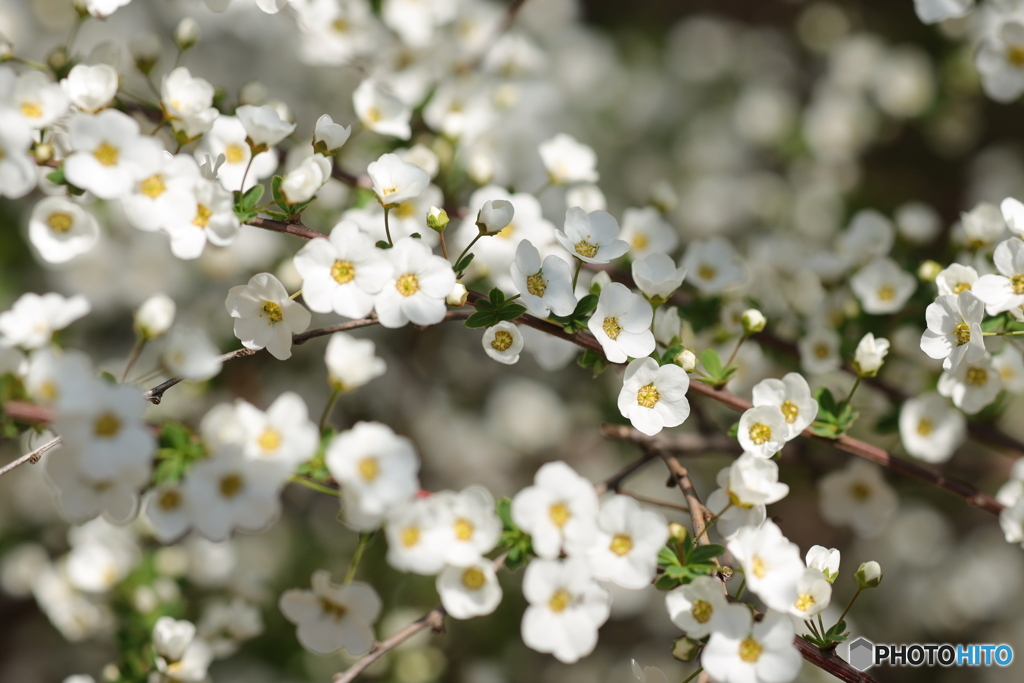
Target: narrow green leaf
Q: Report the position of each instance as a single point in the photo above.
(712, 363)
(482, 319)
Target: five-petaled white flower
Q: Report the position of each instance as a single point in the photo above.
(559, 511)
(954, 329)
(591, 237)
(566, 608)
(417, 287)
(546, 287)
(109, 155)
(342, 273)
(653, 397)
(622, 324)
(625, 550)
(61, 229)
(503, 342)
(265, 317)
(792, 395)
(471, 591)
(744, 651)
(331, 616)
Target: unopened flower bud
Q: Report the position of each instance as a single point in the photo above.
(43, 152)
(154, 316)
(328, 135)
(685, 649)
(753, 321)
(186, 35)
(437, 219)
(495, 215)
(458, 296)
(870, 354)
(928, 271)
(677, 531)
(869, 575)
(686, 359)
(253, 92)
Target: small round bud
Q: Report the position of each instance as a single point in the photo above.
(437, 219)
(495, 215)
(328, 135)
(753, 321)
(928, 271)
(677, 531)
(686, 359)
(685, 649)
(458, 296)
(57, 60)
(186, 35)
(869, 575)
(253, 92)
(154, 316)
(43, 152)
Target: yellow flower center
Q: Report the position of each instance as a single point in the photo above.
(269, 440)
(59, 221)
(621, 544)
(560, 600)
(343, 272)
(640, 241)
(648, 396)
(106, 425)
(559, 514)
(48, 391)
(473, 579)
(169, 500)
(750, 650)
(405, 209)
(153, 186)
(234, 154)
(339, 25)
(1017, 282)
(961, 287)
(760, 433)
(586, 249)
(707, 272)
(1015, 56)
(231, 485)
(502, 341)
(977, 377)
(507, 232)
(106, 154)
(202, 218)
(408, 284)
(925, 427)
(463, 529)
(860, 491)
(962, 334)
(822, 351)
(374, 115)
(31, 110)
(334, 609)
(702, 611)
(790, 411)
(611, 327)
(410, 536)
(886, 293)
(804, 603)
(273, 312)
(535, 284)
(758, 567)
(369, 469)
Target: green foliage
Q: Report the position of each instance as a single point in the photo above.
(245, 204)
(669, 357)
(179, 448)
(831, 637)
(513, 539)
(494, 310)
(578, 319)
(834, 417)
(463, 264)
(718, 375)
(288, 212)
(686, 562)
(316, 467)
(594, 361)
(57, 178)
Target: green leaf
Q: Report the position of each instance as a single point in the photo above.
(383, 245)
(511, 311)
(592, 360)
(496, 297)
(463, 263)
(585, 306)
(504, 509)
(279, 198)
(667, 557)
(57, 177)
(669, 357)
(251, 198)
(666, 583)
(482, 319)
(702, 554)
(712, 363)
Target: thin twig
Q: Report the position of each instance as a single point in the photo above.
(434, 619)
(32, 456)
(297, 229)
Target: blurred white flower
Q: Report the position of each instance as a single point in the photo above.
(300, 184)
(351, 362)
(930, 428)
(566, 608)
(559, 511)
(228, 491)
(263, 126)
(657, 276)
(109, 156)
(973, 385)
(713, 265)
(381, 111)
(332, 617)
(625, 550)
(857, 496)
(61, 229)
(469, 525)
(1003, 291)
(471, 591)
(934, 11)
(869, 355)
(17, 168)
(568, 161)
(91, 88)
(154, 316)
(882, 286)
(39, 100)
(329, 136)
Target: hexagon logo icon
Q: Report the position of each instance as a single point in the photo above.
(862, 654)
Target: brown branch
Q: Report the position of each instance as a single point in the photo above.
(654, 501)
(32, 456)
(698, 513)
(434, 619)
(297, 229)
(828, 660)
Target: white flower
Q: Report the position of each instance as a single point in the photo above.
(754, 480)
(155, 316)
(415, 537)
(495, 215)
(263, 126)
(591, 237)
(265, 316)
(792, 396)
(973, 385)
(229, 491)
(181, 657)
(1013, 214)
(814, 593)
(381, 111)
(819, 351)
(1010, 364)
(91, 88)
(869, 235)
(825, 560)
(868, 358)
(771, 564)
(305, 181)
(622, 324)
(108, 154)
(17, 168)
(503, 342)
(646, 231)
(625, 550)
(559, 511)
(61, 229)
(39, 100)
(654, 397)
(934, 11)
(167, 512)
(982, 225)
(351, 362)
(283, 436)
(102, 9)
(744, 651)
(186, 33)
(954, 329)
(376, 465)
(753, 321)
(419, 283)
(227, 137)
(471, 591)
(930, 428)
(332, 617)
(713, 265)
(763, 431)
(999, 64)
(214, 221)
(458, 296)
(1011, 520)
(857, 496)
(697, 607)
(545, 288)
(882, 286)
(396, 180)
(32, 320)
(189, 352)
(955, 278)
(469, 525)
(166, 196)
(566, 608)
(657, 276)
(81, 499)
(188, 103)
(568, 161)
(342, 273)
(329, 136)
(1004, 291)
